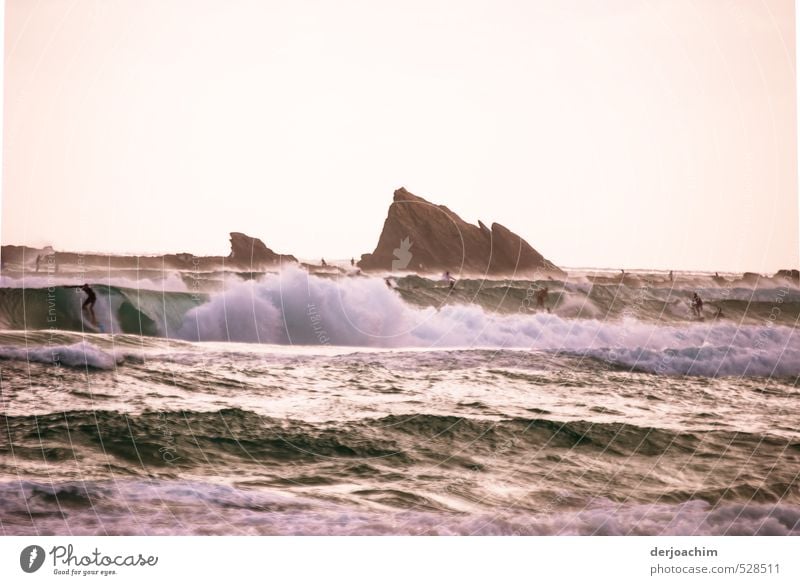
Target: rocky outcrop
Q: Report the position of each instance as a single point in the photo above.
(17, 254)
(246, 253)
(750, 278)
(788, 274)
(420, 236)
(252, 252)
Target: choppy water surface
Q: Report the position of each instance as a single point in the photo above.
(297, 404)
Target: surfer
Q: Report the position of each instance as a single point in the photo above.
(541, 297)
(322, 261)
(697, 305)
(91, 298)
(449, 279)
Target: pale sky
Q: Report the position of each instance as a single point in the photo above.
(649, 134)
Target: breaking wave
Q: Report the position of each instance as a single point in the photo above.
(644, 329)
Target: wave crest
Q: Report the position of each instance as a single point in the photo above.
(294, 307)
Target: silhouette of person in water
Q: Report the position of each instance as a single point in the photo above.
(91, 298)
(449, 279)
(323, 262)
(697, 305)
(541, 297)
(352, 261)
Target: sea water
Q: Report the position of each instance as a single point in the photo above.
(294, 403)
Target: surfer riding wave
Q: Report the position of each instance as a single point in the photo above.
(88, 304)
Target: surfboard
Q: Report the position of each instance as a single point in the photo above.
(88, 325)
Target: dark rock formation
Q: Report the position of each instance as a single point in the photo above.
(789, 274)
(423, 237)
(17, 254)
(750, 278)
(247, 251)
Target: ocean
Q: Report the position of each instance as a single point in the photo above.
(224, 402)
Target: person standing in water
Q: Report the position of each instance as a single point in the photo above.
(697, 305)
(449, 279)
(541, 297)
(91, 298)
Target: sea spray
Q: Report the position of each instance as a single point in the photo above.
(297, 308)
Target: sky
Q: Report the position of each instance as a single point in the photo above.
(623, 133)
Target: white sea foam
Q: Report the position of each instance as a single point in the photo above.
(294, 307)
(81, 354)
(134, 507)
